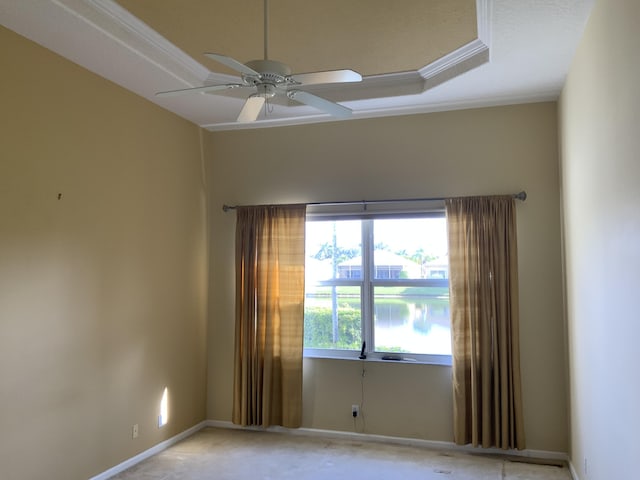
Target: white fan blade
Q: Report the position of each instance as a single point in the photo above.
(232, 63)
(251, 109)
(320, 103)
(204, 89)
(330, 76)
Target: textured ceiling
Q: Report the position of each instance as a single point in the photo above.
(372, 36)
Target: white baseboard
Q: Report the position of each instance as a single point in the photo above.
(572, 470)
(313, 432)
(149, 453)
(417, 442)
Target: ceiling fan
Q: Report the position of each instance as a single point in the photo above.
(269, 78)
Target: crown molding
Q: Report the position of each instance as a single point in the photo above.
(396, 111)
(113, 21)
(483, 18)
(149, 37)
(133, 46)
(107, 40)
(465, 58)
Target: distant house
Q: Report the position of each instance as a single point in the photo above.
(388, 265)
(438, 268)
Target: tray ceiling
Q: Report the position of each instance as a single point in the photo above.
(415, 55)
(373, 37)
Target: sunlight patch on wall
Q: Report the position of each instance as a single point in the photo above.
(163, 418)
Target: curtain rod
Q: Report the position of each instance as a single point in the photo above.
(518, 196)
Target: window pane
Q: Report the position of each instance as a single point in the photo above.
(332, 317)
(407, 312)
(412, 320)
(410, 248)
(333, 250)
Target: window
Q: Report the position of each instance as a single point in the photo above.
(383, 281)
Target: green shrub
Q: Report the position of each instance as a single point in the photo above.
(318, 328)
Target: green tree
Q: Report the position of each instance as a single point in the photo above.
(338, 254)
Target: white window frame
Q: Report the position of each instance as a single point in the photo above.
(367, 285)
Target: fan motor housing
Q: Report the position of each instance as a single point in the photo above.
(270, 71)
(266, 90)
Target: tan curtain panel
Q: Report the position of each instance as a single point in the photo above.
(269, 315)
(484, 322)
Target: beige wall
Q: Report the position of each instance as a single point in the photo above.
(487, 151)
(599, 120)
(103, 292)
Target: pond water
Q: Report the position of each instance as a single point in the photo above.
(413, 326)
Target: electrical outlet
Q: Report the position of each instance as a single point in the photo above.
(134, 431)
(355, 410)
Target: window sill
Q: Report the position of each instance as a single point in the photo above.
(439, 360)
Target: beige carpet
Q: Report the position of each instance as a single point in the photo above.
(222, 454)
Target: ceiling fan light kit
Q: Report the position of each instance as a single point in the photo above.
(270, 78)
